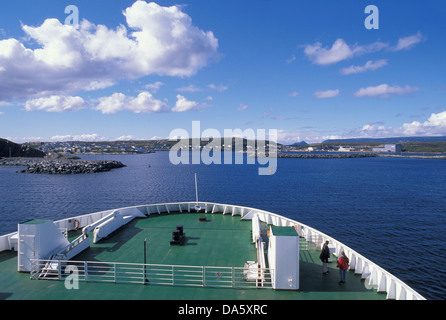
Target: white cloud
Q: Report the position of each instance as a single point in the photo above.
(219, 88)
(190, 88)
(24, 139)
(370, 65)
(56, 104)
(125, 138)
(158, 138)
(143, 103)
(242, 107)
(290, 60)
(193, 88)
(435, 125)
(408, 42)
(326, 94)
(79, 137)
(111, 104)
(339, 51)
(294, 94)
(183, 104)
(384, 90)
(5, 104)
(290, 137)
(163, 41)
(97, 85)
(154, 87)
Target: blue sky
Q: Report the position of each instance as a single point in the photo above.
(138, 70)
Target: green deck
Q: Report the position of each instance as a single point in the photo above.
(222, 240)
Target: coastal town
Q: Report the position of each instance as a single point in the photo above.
(79, 147)
(149, 146)
(9, 149)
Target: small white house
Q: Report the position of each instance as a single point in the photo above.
(345, 149)
(389, 148)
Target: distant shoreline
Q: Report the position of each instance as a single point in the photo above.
(319, 155)
(343, 155)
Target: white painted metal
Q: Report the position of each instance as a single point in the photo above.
(38, 241)
(255, 228)
(283, 258)
(110, 225)
(178, 275)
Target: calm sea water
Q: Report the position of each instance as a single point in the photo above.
(392, 211)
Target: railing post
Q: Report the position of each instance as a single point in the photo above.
(86, 270)
(203, 273)
(233, 276)
(146, 281)
(143, 273)
(59, 269)
(173, 275)
(33, 268)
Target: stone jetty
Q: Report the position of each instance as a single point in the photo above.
(61, 166)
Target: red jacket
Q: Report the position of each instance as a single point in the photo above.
(342, 263)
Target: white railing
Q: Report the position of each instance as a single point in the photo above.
(70, 250)
(151, 274)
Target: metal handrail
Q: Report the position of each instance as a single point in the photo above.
(159, 274)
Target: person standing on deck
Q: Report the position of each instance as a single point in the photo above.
(325, 254)
(343, 266)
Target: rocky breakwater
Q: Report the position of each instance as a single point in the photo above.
(62, 166)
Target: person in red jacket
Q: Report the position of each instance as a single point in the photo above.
(343, 266)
